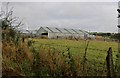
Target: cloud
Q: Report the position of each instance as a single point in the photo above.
(60, 0)
(93, 16)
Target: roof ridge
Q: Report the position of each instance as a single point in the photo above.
(67, 31)
(49, 29)
(75, 31)
(58, 29)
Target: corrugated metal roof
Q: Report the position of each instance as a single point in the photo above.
(71, 31)
(85, 32)
(53, 29)
(28, 31)
(76, 30)
(64, 30)
(23, 31)
(48, 30)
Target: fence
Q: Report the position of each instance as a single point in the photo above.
(75, 47)
(95, 62)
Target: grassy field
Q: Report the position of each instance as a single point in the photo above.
(50, 57)
(95, 57)
(54, 58)
(81, 43)
(77, 47)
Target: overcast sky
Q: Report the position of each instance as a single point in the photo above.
(90, 16)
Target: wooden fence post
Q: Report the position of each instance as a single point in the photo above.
(110, 65)
(84, 57)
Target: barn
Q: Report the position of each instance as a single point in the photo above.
(27, 33)
(61, 33)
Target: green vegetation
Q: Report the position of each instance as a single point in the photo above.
(53, 58)
(107, 35)
(49, 57)
(80, 44)
(96, 53)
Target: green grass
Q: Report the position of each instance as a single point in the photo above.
(72, 43)
(80, 43)
(50, 57)
(77, 47)
(95, 59)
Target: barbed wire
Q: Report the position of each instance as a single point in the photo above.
(75, 47)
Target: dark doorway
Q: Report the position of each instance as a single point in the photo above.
(44, 34)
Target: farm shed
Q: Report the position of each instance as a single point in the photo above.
(55, 33)
(27, 33)
(48, 32)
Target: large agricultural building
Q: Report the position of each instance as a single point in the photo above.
(62, 33)
(56, 33)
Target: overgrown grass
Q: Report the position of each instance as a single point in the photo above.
(96, 63)
(34, 58)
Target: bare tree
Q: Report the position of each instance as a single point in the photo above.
(9, 24)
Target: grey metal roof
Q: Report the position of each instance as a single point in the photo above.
(27, 31)
(53, 29)
(71, 31)
(46, 29)
(85, 32)
(64, 30)
(23, 31)
(77, 31)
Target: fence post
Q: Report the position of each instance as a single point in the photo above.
(110, 65)
(117, 67)
(84, 57)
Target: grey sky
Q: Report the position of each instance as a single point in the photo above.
(93, 16)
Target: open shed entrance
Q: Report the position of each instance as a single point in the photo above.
(44, 34)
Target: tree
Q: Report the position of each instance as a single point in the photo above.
(116, 36)
(9, 24)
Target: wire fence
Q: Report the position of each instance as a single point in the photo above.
(94, 65)
(78, 47)
(93, 61)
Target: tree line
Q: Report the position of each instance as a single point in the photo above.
(109, 35)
